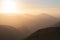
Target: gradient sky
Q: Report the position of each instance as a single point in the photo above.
(42, 3)
(39, 6)
(42, 6)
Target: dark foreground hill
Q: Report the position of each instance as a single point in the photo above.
(37, 22)
(9, 33)
(50, 33)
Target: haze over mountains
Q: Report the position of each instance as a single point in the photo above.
(27, 24)
(38, 22)
(50, 33)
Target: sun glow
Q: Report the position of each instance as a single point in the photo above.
(9, 6)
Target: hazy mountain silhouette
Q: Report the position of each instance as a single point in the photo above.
(37, 22)
(9, 33)
(46, 20)
(50, 33)
(28, 24)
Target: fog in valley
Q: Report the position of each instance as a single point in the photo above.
(27, 23)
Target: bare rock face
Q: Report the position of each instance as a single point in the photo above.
(50, 33)
(9, 33)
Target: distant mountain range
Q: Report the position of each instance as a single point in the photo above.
(28, 24)
(34, 23)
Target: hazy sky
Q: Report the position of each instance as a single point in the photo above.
(42, 3)
(42, 6)
(38, 6)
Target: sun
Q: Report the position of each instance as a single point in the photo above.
(9, 6)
